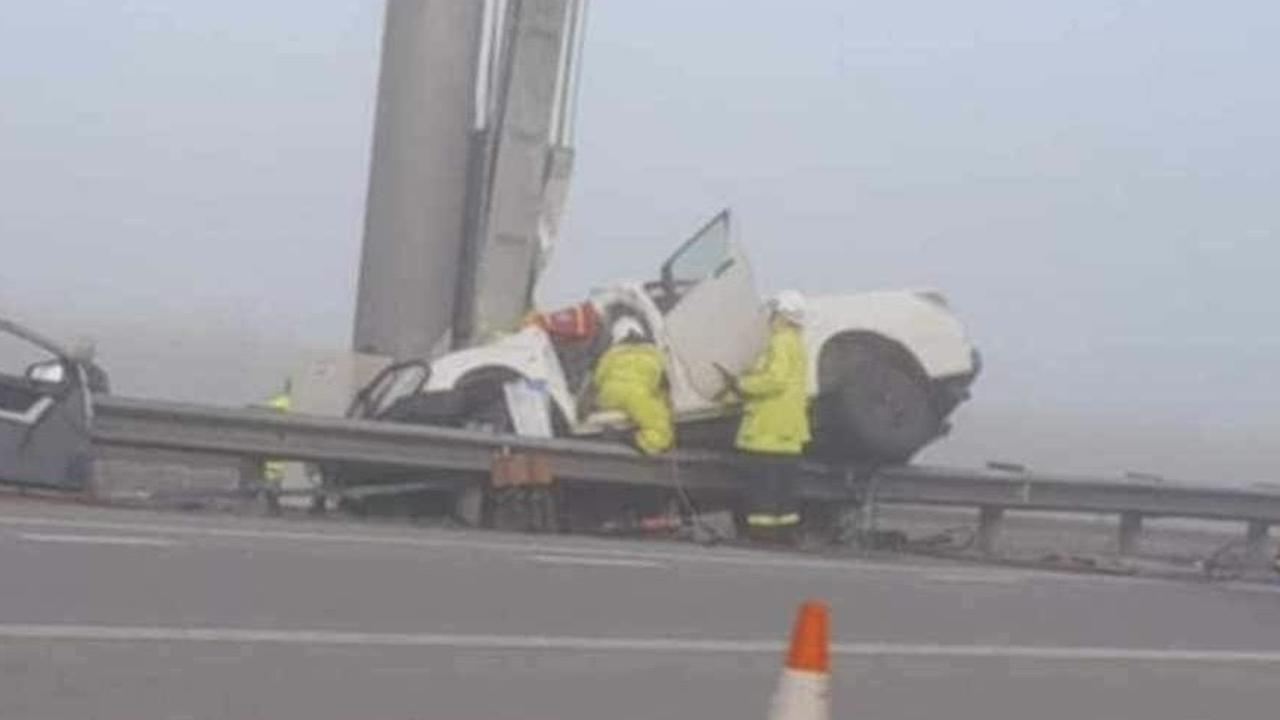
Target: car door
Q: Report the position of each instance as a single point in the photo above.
(44, 429)
(714, 315)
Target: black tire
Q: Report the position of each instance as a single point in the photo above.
(879, 406)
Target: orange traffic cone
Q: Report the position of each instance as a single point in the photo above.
(804, 691)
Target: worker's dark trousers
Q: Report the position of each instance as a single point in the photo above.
(770, 484)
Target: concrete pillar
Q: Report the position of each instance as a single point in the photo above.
(1258, 544)
(1130, 535)
(419, 177)
(990, 523)
(530, 172)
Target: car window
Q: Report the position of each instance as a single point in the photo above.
(703, 255)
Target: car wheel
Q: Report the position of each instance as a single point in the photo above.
(880, 406)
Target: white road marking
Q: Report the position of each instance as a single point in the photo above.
(111, 633)
(588, 561)
(689, 555)
(98, 540)
(1254, 587)
(1035, 652)
(994, 578)
(692, 554)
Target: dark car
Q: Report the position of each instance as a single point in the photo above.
(45, 410)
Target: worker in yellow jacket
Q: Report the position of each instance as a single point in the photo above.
(775, 419)
(273, 470)
(630, 377)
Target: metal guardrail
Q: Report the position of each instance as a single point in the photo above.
(952, 486)
(175, 426)
(996, 492)
(161, 425)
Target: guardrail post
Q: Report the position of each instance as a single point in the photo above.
(868, 514)
(1258, 544)
(990, 522)
(1130, 533)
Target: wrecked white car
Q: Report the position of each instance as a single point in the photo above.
(887, 368)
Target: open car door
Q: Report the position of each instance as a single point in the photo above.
(44, 413)
(714, 314)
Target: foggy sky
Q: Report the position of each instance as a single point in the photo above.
(1093, 184)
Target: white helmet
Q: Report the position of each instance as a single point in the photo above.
(790, 305)
(625, 328)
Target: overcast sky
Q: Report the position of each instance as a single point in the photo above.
(1094, 184)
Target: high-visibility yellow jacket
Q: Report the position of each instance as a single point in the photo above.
(776, 396)
(273, 470)
(629, 378)
(281, 402)
(639, 364)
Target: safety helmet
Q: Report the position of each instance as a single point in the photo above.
(790, 306)
(627, 328)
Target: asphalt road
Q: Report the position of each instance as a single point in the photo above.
(121, 615)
